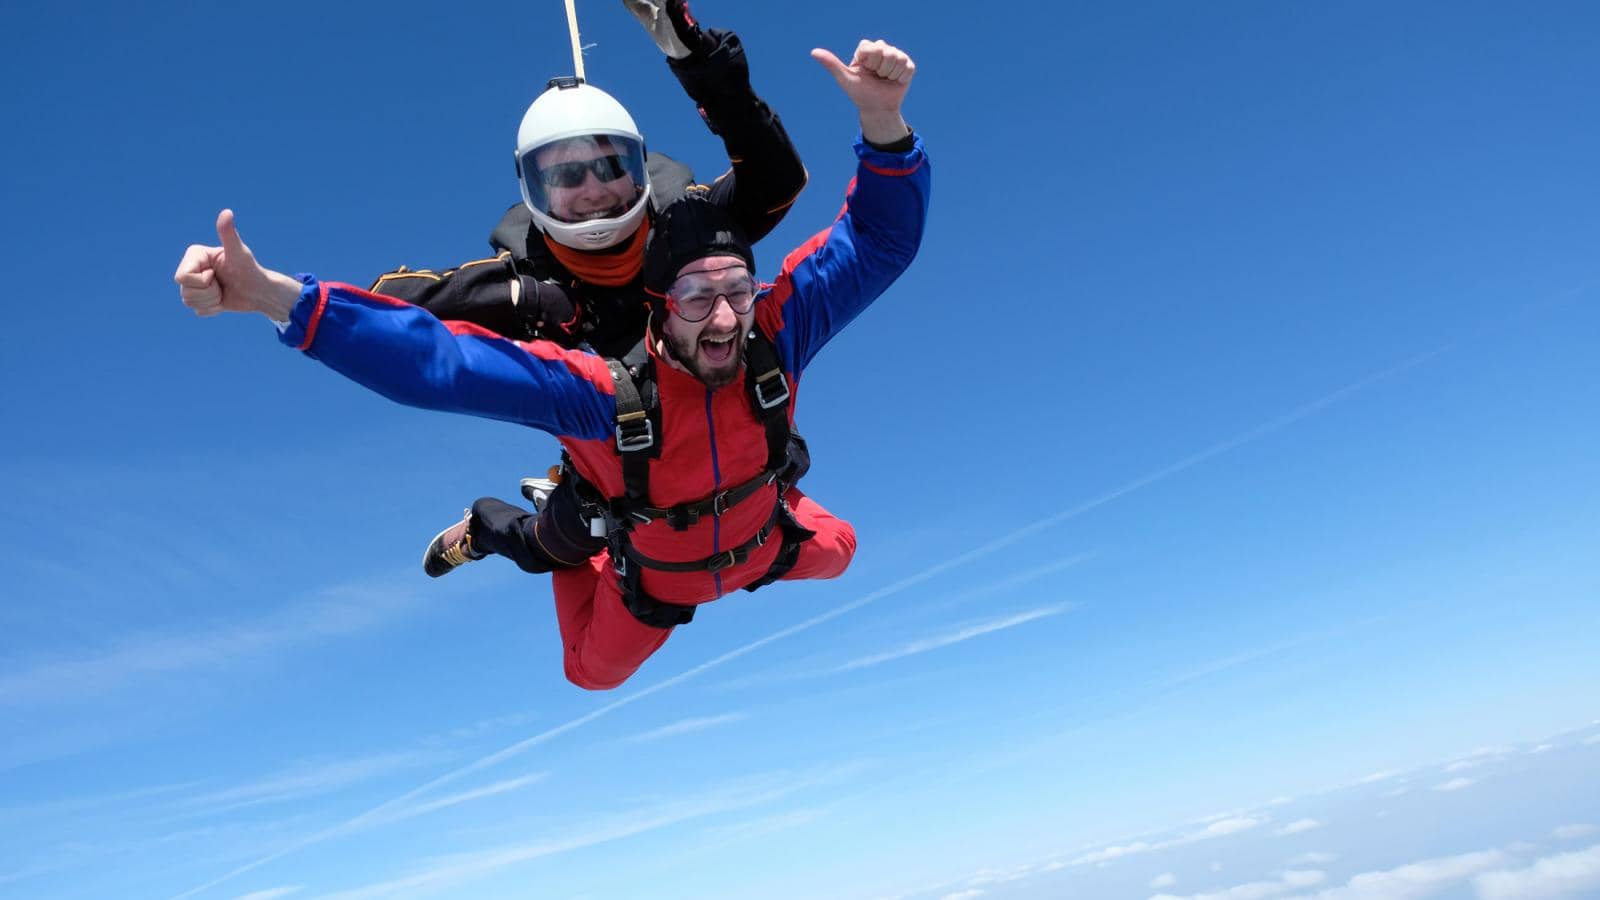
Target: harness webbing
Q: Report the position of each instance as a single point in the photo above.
(638, 441)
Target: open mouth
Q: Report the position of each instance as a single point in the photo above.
(717, 349)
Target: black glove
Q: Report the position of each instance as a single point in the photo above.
(547, 310)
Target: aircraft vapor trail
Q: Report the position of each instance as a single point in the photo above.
(973, 555)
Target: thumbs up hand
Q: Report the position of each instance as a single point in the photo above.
(221, 279)
(876, 80)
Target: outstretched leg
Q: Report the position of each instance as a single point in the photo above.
(556, 538)
(829, 553)
(601, 642)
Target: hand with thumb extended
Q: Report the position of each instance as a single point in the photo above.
(214, 279)
(876, 80)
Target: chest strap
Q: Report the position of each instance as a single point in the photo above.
(684, 515)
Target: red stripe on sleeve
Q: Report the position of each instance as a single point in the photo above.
(587, 366)
(893, 173)
(365, 294)
(316, 315)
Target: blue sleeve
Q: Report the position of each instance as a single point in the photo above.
(406, 354)
(829, 280)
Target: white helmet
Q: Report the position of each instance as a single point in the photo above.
(601, 145)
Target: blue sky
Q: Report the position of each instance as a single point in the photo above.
(1223, 470)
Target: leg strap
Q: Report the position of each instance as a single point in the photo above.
(794, 534)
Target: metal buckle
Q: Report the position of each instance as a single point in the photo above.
(645, 441)
(761, 394)
(723, 560)
(719, 503)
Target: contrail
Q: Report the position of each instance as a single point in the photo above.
(973, 555)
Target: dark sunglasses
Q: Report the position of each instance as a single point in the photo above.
(571, 174)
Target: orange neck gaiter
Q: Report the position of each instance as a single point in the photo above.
(612, 269)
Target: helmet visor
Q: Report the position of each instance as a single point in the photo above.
(585, 178)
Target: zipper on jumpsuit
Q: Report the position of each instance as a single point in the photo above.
(716, 485)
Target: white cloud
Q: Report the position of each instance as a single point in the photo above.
(1455, 784)
(338, 611)
(486, 726)
(1114, 852)
(685, 726)
(1565, 875)
(303, 781)
(1304, 878)
(1416, 880)
(1376, 777)
(272, 893)
(1314, 858)
(1572, 832)
(968, 894)
(1298, 826)
(1477, 758)
(1223, 827)
(955, 637)
(1164, 880)
(1592, 739)
(1001, 876)
(763, 826)
(1026, 576)
(493, 790)
(457, 869)
(1255, 890)
(1220, 827)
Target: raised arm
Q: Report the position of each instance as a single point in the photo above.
(402, 351)
(829, 280)
(766, 174)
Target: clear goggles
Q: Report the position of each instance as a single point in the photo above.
(693, 297)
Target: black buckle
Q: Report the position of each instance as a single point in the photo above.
(683, 515)
(719, 503)
(724, 560)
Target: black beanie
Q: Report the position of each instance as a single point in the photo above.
(689, 229)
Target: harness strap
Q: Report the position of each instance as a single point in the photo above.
(646, 609)
(638, 419)
(636, 435)
(769, 395)
(794, 534)
(684, 515)
(716, 562)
